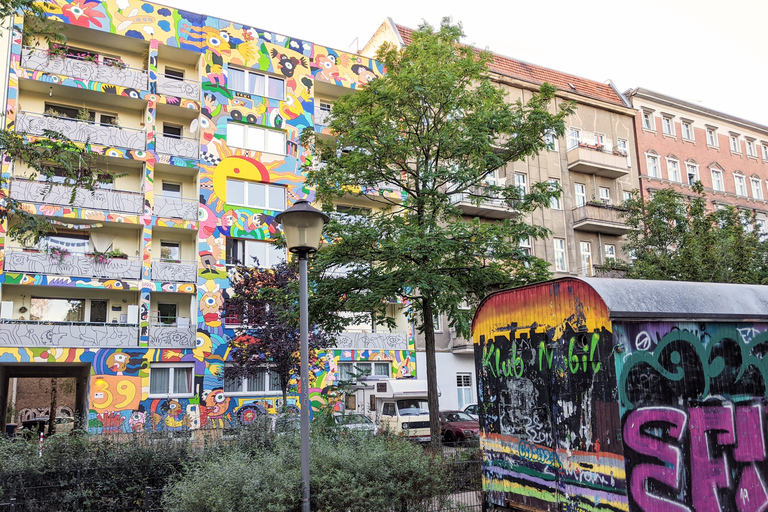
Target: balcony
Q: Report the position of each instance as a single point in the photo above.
(595, 159)
(172, 336)
(25, 333)
(490, 207)
(100, 199)
(599, 218)
(178, 87)
(71, 265)
(106, 71)
(183, 147)
(82, 131)
(174, 271)
(176, 207)
(387, 340)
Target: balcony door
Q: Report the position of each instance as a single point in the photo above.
(99, 311)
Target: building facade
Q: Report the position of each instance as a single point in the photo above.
(594, 164)
(679, 143)
(200, 118)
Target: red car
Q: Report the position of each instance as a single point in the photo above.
(458, 426)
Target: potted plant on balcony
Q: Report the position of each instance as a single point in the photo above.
(58, 253)
(117, 253)
(102, 257)
(58, 51)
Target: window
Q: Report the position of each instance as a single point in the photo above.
(349, 371)
(167, 313)
(264, 380)
(525, 246)
(521, 182)
(574, 135)
(256, 195)
(560, 262)
(717, 180)
(581, 194)
(174, 74)
(735, 144)
(712, 137)
(653, 166)
(586, 259)
(166, 380)
(626, 195)
(741, 185)
(692, 170)
(757, 188)
(648, 121)
(599, 139)
(464, 389)
(170, 251)
(437, 323)
(171, 189)
(610, 252)
(666, 126)
(687, 130)
(255, 83)
(554, 202)
(171, 131)
(673, 170)
(57, 310)
(605, 195)
(765, 151)
(623, 147)
(751, 148)
(255, 138)
(551, 139)
(72, 243)
(253, 253)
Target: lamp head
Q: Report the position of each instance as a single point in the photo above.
(302, 227)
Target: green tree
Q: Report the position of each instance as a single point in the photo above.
(434, 127)
(676, 237)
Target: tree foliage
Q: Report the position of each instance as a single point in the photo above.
(434, 128)
(266, 303)
(676, 237)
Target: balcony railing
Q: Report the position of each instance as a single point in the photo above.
(179, 87)
(176, 207)
(183, 147)
(82, 131)
(104, 72)
(171, 336)
(23, 189)
(598, 159)
(321, 117)
(599, 218)
(387, 340)
(29, 333)
(71, 265)
(491, 207)
(174, 271)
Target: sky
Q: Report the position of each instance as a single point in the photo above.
(710, 52)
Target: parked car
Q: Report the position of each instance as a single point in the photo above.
(471, 409)
(458, 426)
(356, 422)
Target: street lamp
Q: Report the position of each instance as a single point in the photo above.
(303, 227)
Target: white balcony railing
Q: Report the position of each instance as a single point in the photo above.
(27, 333)
(179, 87)
(387, 340)
(176, 207)
(107, 72)
(183, 147)
(32, 191)
(171, 336)
(174, 271)
(71, 265)
(82, 131)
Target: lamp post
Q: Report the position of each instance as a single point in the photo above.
(303, 227)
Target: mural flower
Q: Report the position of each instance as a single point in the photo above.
(80, 14)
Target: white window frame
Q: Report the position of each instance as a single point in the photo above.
(580, 193)
(172, 367)
(623, 147)
(525, 245)
(355, 368)
(267, 195)
(585, 250)
(750, 144)
(652, 162)
(604, 194)
(765, 151)
(610, 251)
(673, 170)
(550, 138)
(687, 130)
(270, 377)
(757, 188)
(555, 203)
(712, 139)
(647, 118)
(735, 143)
(250, 90)
(667, 125)
(462, 378)
(718, 185)
(574, 137)
(273, 255)
(741, 185)
(256, 138)
(690, 166)
(561, 259)
(437, 322)
(626, 195)
(521, 182)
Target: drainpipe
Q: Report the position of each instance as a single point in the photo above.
(13, 396)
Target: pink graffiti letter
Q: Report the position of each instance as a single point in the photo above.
(671, 457)
(709, 472)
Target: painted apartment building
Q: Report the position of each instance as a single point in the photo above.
(201, 117)
(596, 166)
(679, 143)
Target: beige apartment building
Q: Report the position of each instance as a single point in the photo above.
(596, 166)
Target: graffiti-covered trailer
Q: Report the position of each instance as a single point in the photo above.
(610, 394)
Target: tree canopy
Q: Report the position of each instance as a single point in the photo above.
(675, 236)
(433, 129)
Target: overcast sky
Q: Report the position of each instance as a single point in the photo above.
(706, 51)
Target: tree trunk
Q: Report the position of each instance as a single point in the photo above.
(432, 397)
(284, 386)
(52, 411)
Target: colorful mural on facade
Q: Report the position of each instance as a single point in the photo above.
(119, 387)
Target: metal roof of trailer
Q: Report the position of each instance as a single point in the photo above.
(634, 298)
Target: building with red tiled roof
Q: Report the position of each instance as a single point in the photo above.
(595, 163)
